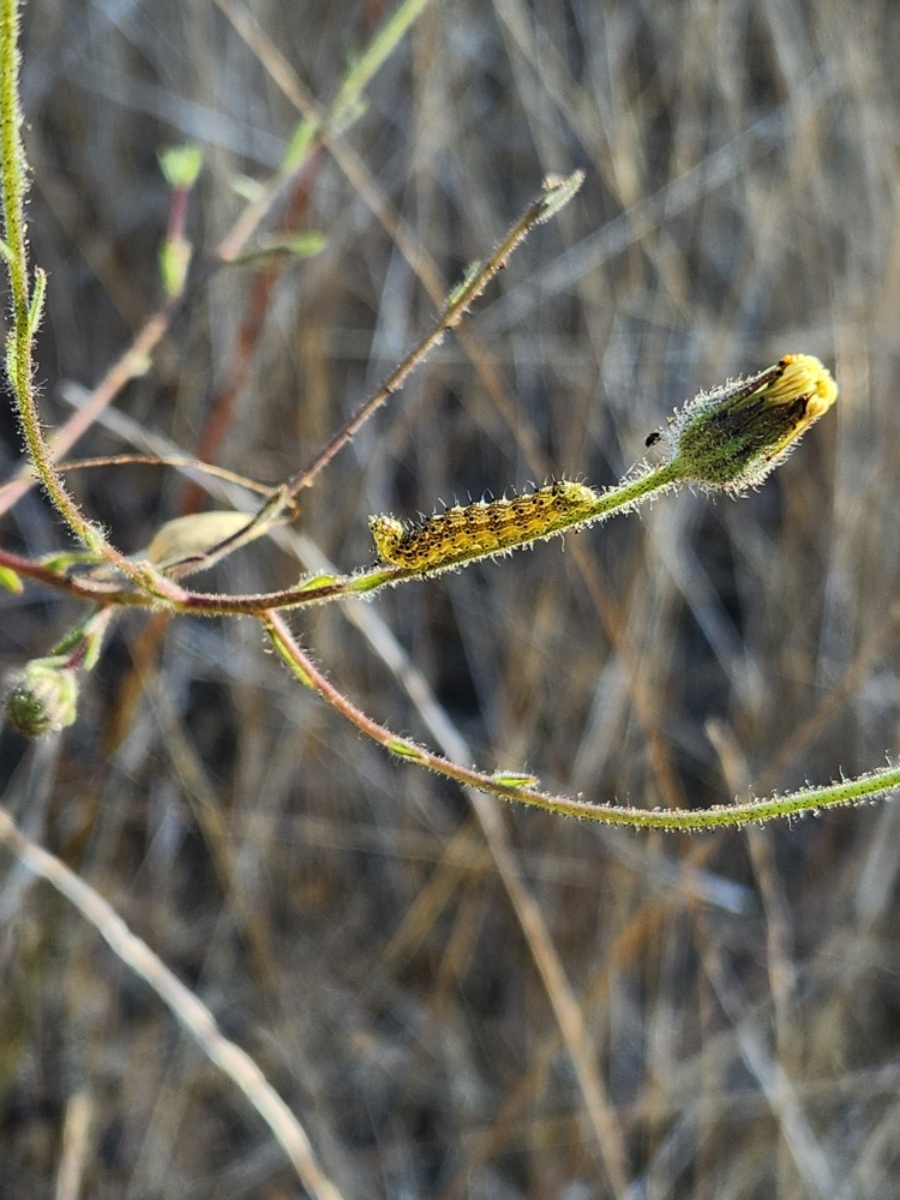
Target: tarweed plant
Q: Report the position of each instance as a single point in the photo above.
(728, 438)
(723, 443)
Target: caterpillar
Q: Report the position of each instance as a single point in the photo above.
(486, 527)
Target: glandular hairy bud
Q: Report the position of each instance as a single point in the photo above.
(729, 439)
(42, 698)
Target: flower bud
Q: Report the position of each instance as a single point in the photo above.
(732, 437)
(42, 698)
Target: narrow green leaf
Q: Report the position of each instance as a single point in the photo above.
(10, 581)
(515, 779)
(300, 245)
(370, 581)
(404, 749)
(36, 306)
(468, 278)
(315, 582)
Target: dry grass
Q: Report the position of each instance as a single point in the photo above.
(542, 1010)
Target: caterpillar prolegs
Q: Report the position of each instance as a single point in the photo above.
(486, 527)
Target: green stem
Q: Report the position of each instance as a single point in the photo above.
(348, 100)
(21, 337)
(810, 800)
(327, 588)
(554, 196)
(628, 493)
(617, 499)
(461, 536)
(13, 184)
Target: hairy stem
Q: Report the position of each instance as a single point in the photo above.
(556, 193)
(509, 786)
(20, 363)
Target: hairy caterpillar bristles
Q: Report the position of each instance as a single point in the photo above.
(485, 527)
(728, 439)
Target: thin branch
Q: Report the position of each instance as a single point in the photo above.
(556, 193)
(131, 364)
(510, 786)
(313, 131)
(193, 1015)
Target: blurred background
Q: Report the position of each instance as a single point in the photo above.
(460, 998)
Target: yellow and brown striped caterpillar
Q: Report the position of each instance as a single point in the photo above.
(486, 527)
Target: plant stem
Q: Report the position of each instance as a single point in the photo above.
(555, 194)
(794, 804)
(621, 498)
(21, 337)
(349, 98)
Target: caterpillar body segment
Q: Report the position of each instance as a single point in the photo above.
(485, 527)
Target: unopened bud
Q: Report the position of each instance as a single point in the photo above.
(43, 697)
(730, 438)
